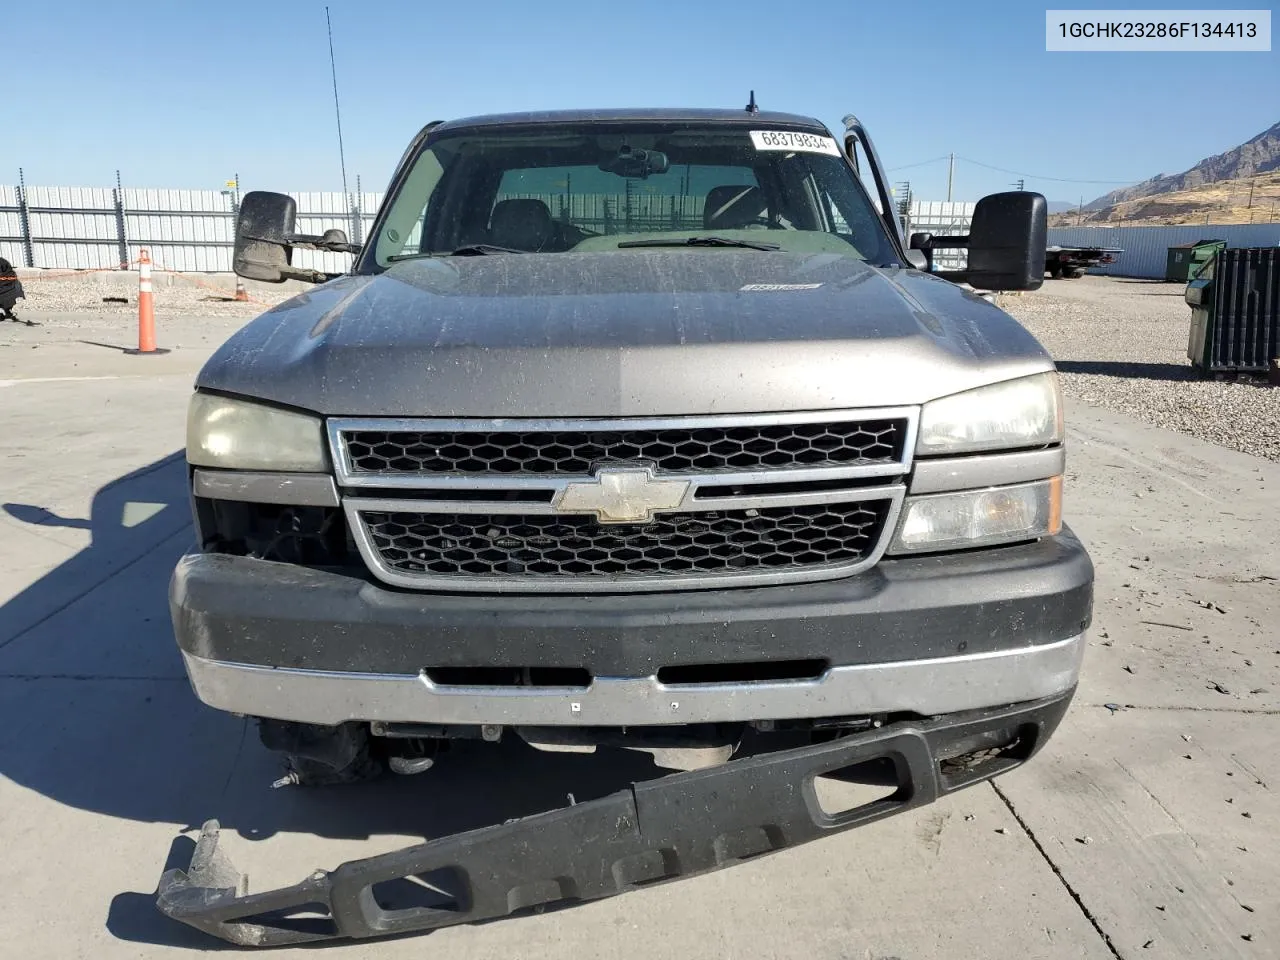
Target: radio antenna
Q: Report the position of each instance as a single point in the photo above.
(342, 158)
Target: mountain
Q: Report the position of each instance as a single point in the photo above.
(1256, 156)
(1060, 206)
(1252, 199)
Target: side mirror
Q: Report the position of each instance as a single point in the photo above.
(1007, 240)
(263, 229)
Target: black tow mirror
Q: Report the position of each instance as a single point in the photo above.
(1007, 240)
(265, 240)
(1006, 243)
(263, 229)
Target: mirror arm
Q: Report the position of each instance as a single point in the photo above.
(305, 241)
(305, 274)
(946, 243)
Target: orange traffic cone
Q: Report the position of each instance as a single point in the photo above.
(146, 310)
(241, 293)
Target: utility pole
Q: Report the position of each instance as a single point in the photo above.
(951, 173)
(1250, 207)
(1080, 212)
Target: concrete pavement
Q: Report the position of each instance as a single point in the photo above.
(1145, 829)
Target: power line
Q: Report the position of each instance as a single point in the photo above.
(342, 158)
(908, 166)
(1033, 176)
(1016, 173)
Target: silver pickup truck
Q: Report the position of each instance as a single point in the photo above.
(641, 429)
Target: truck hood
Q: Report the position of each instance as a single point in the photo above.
(635, 333)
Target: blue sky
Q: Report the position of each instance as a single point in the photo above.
(186, 94)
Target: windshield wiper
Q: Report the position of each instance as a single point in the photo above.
(699, 242)
(481, 249)
(470, 250)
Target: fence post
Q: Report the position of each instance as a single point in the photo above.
(122, 242)
(357, 215)
(234, 199)
(24, 221)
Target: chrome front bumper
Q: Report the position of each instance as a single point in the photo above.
(927, 687)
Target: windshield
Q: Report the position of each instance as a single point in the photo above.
(596, 187)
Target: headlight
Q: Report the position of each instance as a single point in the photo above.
(976, 518)
(240, 435)
(1026, 412)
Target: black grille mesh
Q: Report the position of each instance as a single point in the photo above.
(756, 447)
(687, 544)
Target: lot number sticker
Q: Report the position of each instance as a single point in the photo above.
(790, 140)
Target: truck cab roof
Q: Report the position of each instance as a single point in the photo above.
(657, 114)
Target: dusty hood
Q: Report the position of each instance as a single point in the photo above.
(622, 334)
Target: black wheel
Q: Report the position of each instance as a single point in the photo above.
(1055, 271)
(1071, 273)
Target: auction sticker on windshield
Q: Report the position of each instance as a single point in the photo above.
(791, 140)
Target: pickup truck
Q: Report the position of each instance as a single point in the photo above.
(1070, 263)
(634, 428)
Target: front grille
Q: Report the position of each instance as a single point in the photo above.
(545, 547)
(485, 506)
(734, 448)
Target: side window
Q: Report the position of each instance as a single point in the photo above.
(402, 232)
(846, 214)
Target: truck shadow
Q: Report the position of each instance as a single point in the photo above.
(1133, 371)
(101, 717)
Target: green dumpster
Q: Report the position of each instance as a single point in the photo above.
(1185, 260)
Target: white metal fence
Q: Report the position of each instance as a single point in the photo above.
(100, 228)
(943, 218)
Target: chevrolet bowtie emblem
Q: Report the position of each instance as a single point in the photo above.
(622, 495)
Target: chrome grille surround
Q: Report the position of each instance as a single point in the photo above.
(530, 498)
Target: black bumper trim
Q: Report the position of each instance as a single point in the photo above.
(675, 826)
(239, 610)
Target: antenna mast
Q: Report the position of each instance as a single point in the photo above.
(342, 159)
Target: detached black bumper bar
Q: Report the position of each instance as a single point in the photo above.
(675, 826)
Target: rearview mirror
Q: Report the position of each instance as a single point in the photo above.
(1007, 240)
(263, 229)
(634, 163)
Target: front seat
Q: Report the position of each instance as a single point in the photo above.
(521, 225)
(734, 207)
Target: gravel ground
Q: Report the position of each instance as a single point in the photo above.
(175, 294)
(1122, 344)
